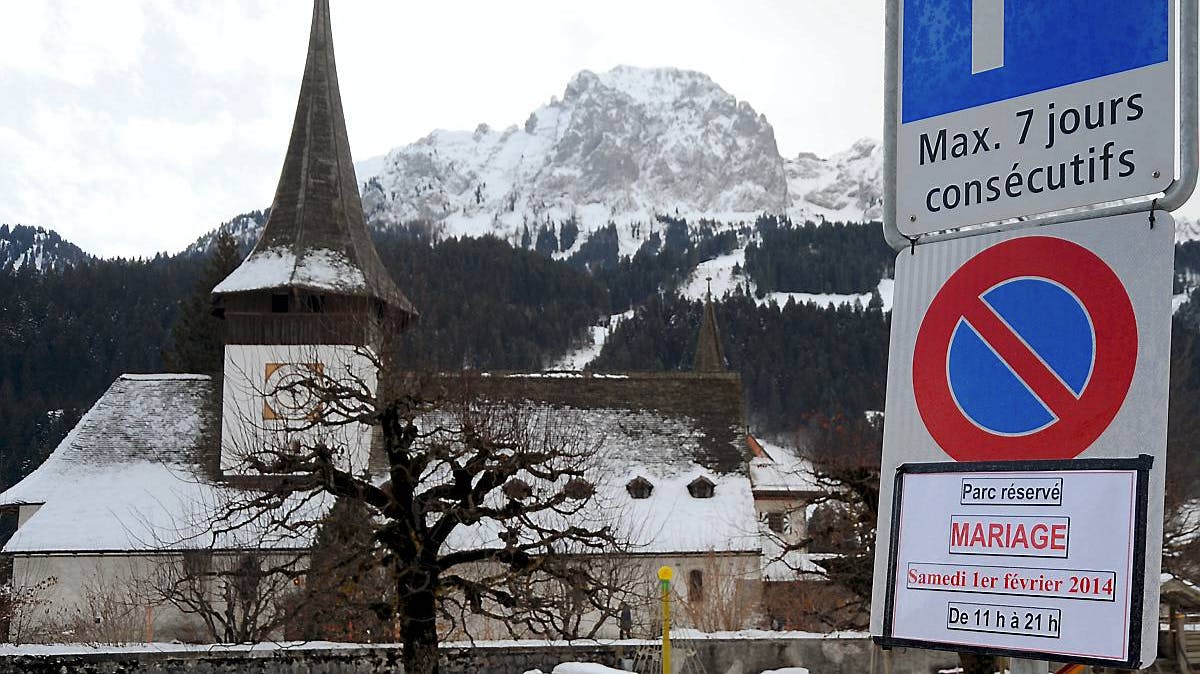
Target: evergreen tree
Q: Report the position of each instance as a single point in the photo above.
(197, 343)
(346, 594)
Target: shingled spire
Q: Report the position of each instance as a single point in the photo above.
(316, 240)
(709, 356)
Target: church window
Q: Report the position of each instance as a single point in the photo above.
(279, 304)
(639, 488)
(695, 585)
(701, 487)
(777, 522)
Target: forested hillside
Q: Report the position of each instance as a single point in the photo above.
(68, 331)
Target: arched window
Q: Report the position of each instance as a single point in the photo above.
(639, 488)
(701, 487)
(695, 585)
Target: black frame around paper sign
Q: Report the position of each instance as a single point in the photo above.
(1140, 465)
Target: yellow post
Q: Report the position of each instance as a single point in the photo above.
(664, 575)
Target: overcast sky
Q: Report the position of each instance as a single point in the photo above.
(134, 126)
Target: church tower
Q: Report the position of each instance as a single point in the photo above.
(710, 357)
(313, 300)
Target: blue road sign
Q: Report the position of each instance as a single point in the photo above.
(1053, 324)
(958, 54)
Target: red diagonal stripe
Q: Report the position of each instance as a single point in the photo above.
(1023, 361)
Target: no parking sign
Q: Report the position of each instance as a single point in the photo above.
(1026, 352)
(1026, 431)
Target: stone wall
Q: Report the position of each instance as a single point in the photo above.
(710, 656)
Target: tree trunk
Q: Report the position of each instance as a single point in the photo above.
(418, 625)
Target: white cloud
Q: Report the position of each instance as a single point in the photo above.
(179, 144)
(71, 40)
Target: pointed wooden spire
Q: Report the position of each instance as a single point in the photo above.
(316, 238)
(709, 356)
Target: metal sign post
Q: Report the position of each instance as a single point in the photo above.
(665, 573)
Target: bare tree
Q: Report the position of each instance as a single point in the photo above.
(843, 456)
(21, 608)
(720, 595)
(480, 498)
(1181, 528)
(241, 596)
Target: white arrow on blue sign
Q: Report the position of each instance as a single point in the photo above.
(1011, 108)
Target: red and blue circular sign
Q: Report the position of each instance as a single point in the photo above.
(1026, 352)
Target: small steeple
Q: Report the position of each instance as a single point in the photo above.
(316, 239)
(709, 356)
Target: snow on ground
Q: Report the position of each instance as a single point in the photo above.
(726, 273)
(826, 300)
(887, 289)
(721, 270)
(677, 634)
(1177, 301)
(49, 650)
(585, 668)
(579, 358)
(788, 670)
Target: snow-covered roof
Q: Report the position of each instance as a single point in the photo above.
(132, 476)
(669, 428)
(319, 270)
(669, 419)
(793, 565)
(672, 520)
(781, 470)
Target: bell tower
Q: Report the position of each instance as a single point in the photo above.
(312, 301)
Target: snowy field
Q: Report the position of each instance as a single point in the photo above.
(726, 273)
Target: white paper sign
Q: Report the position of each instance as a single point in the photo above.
(1039, 562)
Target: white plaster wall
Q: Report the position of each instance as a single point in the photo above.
(25, 512)
(80, 588)
(118, 588)
(243, 428)
(730, 578)
(795, 512)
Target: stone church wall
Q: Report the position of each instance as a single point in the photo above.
(713, 656)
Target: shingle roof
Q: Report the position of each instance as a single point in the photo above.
(316, 238)
(163, 419)
(132, 475)
(664, 418)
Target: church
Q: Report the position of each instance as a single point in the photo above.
(133, 489)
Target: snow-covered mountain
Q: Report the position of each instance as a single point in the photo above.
(23, 247)
(619, 147)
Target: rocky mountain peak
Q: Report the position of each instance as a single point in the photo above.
(619, 146)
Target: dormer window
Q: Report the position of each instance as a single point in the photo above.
(701, 487)
(639, 488)
(516, 489)
(578, 489)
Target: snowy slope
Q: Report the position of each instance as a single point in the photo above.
(619, 146)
